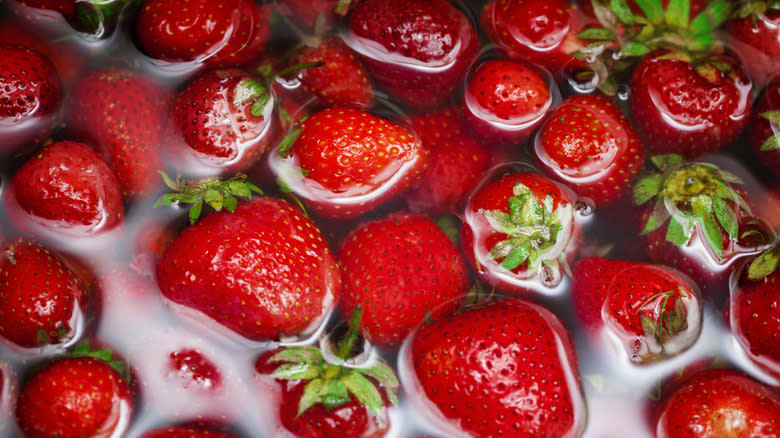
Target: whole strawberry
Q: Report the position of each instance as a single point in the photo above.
(686, 106)
(520, 233)
(719, 403)
(30, 97)
(652, 311)
(225, 33)
(84, 394)
(753, 31)
(754, 314)
(262, 270)
(345, 161)
(399, 269)
(185, 432)
(221, 122)
(764, 130)
(505, 101)
(475, 371)
(66, 190)
(459, 161)
(589, 144)
(122, 113)
(418, 50)
(694, 220)
(41, 300)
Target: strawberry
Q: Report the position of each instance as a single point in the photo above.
(122, 114)
(719, 403)
(262, 270)
(459, 160)
(753, 31)
(307, 13)
(41, 300)
(343, 80)
(504, 369)
(97, 18)
(418, 50)
(398, 269)
(30, 96)
(345, 161)
(334, 390)
(505, 101)
(589, 144)
(82, 394)
(653, 311)
(65, 190)
(221, 122)
(764, 130)
(185, 432)
(689, 107)
(220, 34)
(753, 310)
(520, 233)
(693, 220)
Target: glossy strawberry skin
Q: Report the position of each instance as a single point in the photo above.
(352, 161)
(761, 129)
(756, 41)
(307, 12)
(403, 41)
(592, 276)
(66, 188)
(718, 403)
(476, 367)
(73, 398)
(210, 130)
(707, 111)
(505, 101)
(263, 271)
(185, 432)
(220, 34)
(398, 269)
(30, 96)
(39, 297)
(122, 114)
(459, 161)
(589, 144)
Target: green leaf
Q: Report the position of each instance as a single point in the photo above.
(771, 144)
(666, 162)
(516, 257)
(309, 355)
(296, 371)
(676, 233)
(765, 264)
(598, 34)
(647, 188)
(653, 9)
(311, 395)
(729, 177)
(710, 18)
(499, 221)
(239, 188)
(634, 49)
(336, 395)
(288, 142)
(726, 216)
(258, 107)
(89, 19)
(385, 376)
(214, 198)
(678, 13)
(195, 210)
(166, 199)
(604, 15)
(365, 392)
(248, 90)
(772, 116)
(657, 218)
(622, 11)
(168, 181)
(230, 203)
(704, 213)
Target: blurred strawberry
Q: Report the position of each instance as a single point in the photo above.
(764, 129)
(753, 33)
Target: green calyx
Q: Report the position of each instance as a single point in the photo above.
(687, 195)
(764, 264)
(773, 142)
(533, 228)
(669, 322)
(83, 350)
(96, 17)
(215, 192)
(754, 9)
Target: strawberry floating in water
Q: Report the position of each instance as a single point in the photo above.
(753, 32)
(764, 130)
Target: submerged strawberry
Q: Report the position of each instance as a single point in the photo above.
(185, 432)
(753, 32)
(764, 130)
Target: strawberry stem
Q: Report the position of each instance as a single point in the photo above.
(347, 343)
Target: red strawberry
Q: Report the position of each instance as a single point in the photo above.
(122, 114)
(689, 107)
(504, 369)
(505, 101)
(589, 144)
(346, 162)
(398, 269)
(41, 300)
(221, 122)
(754, 313)
(541, 31)
(263, 270)
(185, 432)
(306, 12)
(418, 50)
(753, 32)
(653, 311)
(30, 96)
(719, 403)
(520, 233)
(77, 396)
(764, 130)
(459, 160)
(343, 80)
(65, 190)
(693, 220)
(224, 33)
